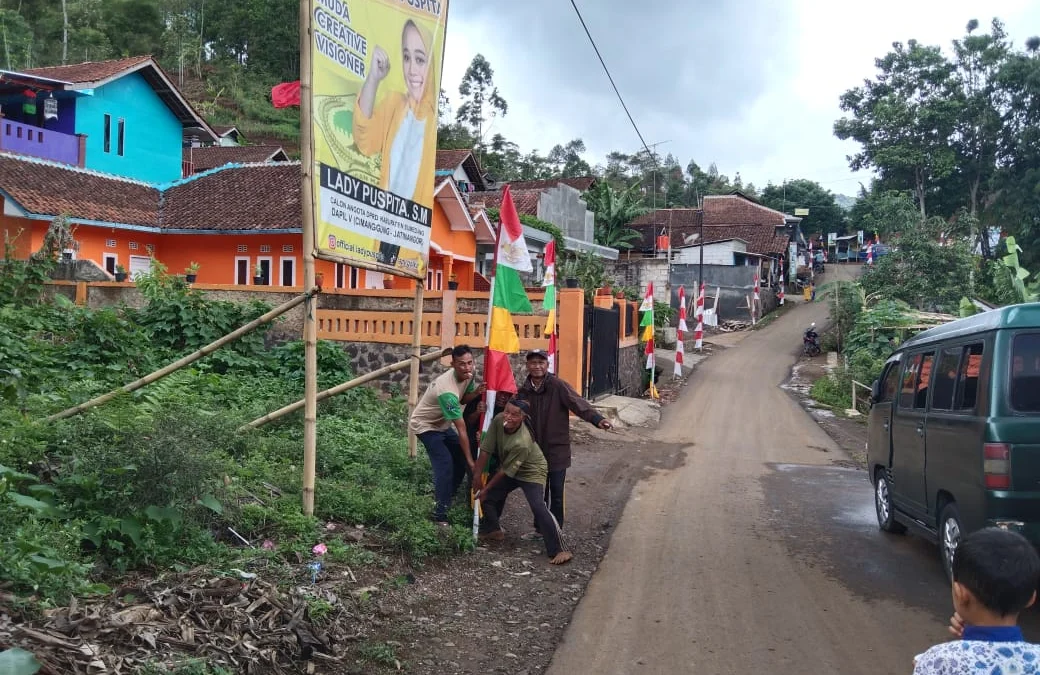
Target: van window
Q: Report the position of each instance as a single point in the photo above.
(906, 390)
(946, 379)
(890, 384)
(924, 380)
(1025, 373)
(968, 378)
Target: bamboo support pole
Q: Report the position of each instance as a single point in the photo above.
(185, 361)
(340, 388)
(413, 375)
(310, 325)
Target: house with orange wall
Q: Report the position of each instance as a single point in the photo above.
(232, 220)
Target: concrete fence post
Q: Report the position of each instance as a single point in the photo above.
(571, 320)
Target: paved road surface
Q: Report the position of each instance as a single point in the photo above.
(760, 554)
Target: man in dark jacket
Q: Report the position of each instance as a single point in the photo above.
(552, 400)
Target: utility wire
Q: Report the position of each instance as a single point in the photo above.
(606, 70)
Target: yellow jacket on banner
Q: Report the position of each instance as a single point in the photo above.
(399, 119)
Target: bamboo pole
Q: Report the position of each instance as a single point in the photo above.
(180, 363)
(310, 326)
(340, 388)
(413, 374)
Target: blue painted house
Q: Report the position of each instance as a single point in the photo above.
(123, 117)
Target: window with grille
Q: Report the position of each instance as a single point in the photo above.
(133, 246)
(264, 248)
(110, 243)
(242, 248)
(287, 248)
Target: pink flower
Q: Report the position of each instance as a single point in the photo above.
(320, 549)
(268, 545)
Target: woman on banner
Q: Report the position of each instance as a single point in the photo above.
(402, 126)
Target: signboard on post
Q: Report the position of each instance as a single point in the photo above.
(801, 212)
(832, 238)
(859, 237)
(792, 262)
(376, 70)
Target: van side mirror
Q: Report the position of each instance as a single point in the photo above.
(875, 391)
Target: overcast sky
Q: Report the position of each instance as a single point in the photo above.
(752, 85)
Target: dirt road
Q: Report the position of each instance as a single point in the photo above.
(701, 575)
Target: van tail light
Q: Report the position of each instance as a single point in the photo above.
(996, 465)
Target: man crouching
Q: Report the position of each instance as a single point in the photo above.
(521, 465)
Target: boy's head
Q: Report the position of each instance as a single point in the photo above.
(995, 575)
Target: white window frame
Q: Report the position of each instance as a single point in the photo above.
(114, 257)
(439, 279)
(354, 277)
(281, 270)
(130, 265)
(270, 268)
(249, 271)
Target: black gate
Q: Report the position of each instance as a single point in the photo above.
(601, 350)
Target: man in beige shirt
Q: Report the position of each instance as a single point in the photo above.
(437, 421)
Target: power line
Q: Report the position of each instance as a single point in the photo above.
(606, 70)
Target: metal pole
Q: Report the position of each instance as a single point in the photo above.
(310, 326)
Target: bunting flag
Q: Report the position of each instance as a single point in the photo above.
(870, 254)
(507, 297)
(680, 334)
(647, 324)
(780, 293)
(698, 333)
(756, 300)
(549, 303)
(286, 95)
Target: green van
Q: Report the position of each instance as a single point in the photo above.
(953, 439)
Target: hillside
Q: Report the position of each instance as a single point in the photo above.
(244, 103)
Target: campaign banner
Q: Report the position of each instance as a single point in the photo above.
(375, 80)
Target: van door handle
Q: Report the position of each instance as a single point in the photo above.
(885, 425)
(920, 431)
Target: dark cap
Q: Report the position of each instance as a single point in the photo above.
(537, 354)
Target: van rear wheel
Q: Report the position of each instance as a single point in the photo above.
(886, 512)
(950, 534)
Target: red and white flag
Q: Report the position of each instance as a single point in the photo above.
(698, 333)
(870, 254)
(680, 332)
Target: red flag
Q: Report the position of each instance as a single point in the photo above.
(498, 372)
(286, 94)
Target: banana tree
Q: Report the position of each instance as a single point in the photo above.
(1028, 292)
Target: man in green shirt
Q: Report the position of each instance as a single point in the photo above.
(437, 421)
(521, 465)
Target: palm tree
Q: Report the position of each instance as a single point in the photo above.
(614, 210)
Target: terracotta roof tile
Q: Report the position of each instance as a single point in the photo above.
(450, 159)
(220, 200)
(526, 201)
(738, 210)
(673, 217)
(46, 188)
(581, 183)
(211, 157)
(222, 130)
(91, 71)
(760, 239)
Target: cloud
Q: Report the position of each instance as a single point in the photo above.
(752, 85)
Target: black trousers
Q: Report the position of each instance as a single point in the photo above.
(554, 496)
(495, 500)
